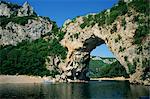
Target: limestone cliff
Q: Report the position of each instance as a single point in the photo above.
(123, 28)
(21, 23)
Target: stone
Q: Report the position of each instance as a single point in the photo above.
(25, 10)
(4, 10)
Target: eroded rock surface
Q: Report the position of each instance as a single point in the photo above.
(24, 26)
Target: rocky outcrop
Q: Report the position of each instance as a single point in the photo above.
(15, 33)
(9, 9)
(83, 35)
(4, 10)
(25, 10)
(25, 26)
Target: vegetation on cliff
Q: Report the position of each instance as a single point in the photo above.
(28, 58)
(18, 20)
(141, 18)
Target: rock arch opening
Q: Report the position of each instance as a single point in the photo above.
(78, 58)
(104, 64)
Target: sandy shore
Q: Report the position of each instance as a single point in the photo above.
(22, 79)
(115, 78)
(38, 79)
(30, 79)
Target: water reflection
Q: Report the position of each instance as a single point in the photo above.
(91, 90)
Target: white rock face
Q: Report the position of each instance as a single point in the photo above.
(4, 10)
(25, 10)
(7, 9)
(15, 33)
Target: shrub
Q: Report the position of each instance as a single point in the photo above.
(123, 23)
(83, 25)
(114, 29)
(126, 58)
(117, 39)
(116, 11)
(76, 35)
(141, 6)
(140, 33)
(121, 49)
(131, 68)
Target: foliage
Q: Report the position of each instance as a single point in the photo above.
(124, 23)
(116, 11)
(141, 32)
(29, 57)
(76, 35)
(131, 68)
(101, 69)
(121, 49)
(141, 6)
(117, 39)
(126, 58)
(105, 17)
(19, 20)
(145, 62)
(114, 29)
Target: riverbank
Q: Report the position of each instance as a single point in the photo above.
(23, 79)
(38, 79)
(115, 78)
(31, 79)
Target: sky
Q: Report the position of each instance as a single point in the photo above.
(61, 10)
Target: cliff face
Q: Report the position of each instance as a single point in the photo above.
(21, 23)
(118, 28)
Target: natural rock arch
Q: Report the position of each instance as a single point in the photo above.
(81, 41)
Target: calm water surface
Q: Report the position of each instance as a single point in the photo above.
(91, 90)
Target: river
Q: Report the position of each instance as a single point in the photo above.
(90, 90)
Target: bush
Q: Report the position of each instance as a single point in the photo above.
(116, 11)
(103, 18)
(140, 33)
(124, 23)
(126, 58)
(131, 68)
(76, 35)
(121, 49)
(141, 6)
(114, 29)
